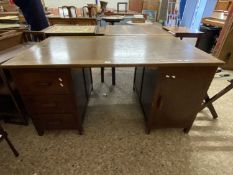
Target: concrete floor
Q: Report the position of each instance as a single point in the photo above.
(114, 141)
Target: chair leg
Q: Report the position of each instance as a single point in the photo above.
(211, 107)
(113, 76)
(11, 146)
(102, 74)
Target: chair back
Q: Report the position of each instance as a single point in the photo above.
(69, 11)
(90, 9)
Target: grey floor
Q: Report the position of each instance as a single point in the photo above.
(114, 141)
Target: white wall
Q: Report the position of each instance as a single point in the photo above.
(80, 3)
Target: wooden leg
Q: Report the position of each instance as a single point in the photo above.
(11, 146)
(186, 130)
(211, 107)
(147, 130)
(209, 101)
(198, 41)
(91, 79)
(102, 74)
(113, 76)
(134, 78)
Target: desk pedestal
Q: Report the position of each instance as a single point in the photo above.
(55, 98)
(171, 97)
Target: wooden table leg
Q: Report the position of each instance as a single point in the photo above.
(102, 74)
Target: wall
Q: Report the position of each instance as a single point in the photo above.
(80, 3)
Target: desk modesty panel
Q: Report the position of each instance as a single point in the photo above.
(95, 51)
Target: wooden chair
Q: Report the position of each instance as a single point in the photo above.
(4, 135)
(69, 11)
(90, 9)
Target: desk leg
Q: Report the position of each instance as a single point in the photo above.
(102, 74)
(113, 76)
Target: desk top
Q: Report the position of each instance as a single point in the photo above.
(216, 19)
(120, 51)
(135, 30)
(174, 29)
(13, 51)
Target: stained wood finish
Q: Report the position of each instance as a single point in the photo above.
(135, 30)
(72, 21)
(97, 51)
(217, 19)
(70, 30)
(10, 40)
(55, 98)
(166, 99)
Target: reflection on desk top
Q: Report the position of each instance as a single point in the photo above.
(13, 51)
(120, 51)
(135, 30)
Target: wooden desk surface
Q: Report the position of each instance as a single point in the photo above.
(69, 30)
(216, 19)
(175, 30)
(121, 51)
(135, 30)
(13, 51)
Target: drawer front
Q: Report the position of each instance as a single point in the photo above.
(49, 104)
(42, 81)
(57, 121)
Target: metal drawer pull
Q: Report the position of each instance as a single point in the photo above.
(60, 79)
(61, 85)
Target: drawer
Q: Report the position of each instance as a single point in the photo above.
(50, 104)
(57, 121)
(42, 81)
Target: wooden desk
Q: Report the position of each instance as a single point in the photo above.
(70, 30)
(72, 21)
(9, 13)
(168, 62)
(135, 30)
(4, 26)
(9, 19)
(217, 19)
(183, 32)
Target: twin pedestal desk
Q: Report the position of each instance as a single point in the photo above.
(54, 78)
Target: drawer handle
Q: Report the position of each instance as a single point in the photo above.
(49, 105)
(44, 84)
